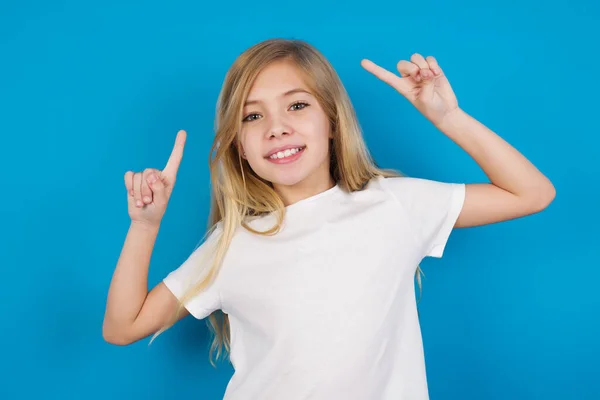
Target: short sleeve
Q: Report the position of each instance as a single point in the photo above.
(193, 269)
(432, 208)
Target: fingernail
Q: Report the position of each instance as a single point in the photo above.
(152, 178)
(138, 203)
(146, 199)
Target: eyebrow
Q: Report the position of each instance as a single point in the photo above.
(288, 93)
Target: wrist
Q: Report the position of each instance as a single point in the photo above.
(148, 227)
(452, 121)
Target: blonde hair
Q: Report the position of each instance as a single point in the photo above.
(238, 192)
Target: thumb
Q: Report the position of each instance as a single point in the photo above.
(158, 188)
(428, 90)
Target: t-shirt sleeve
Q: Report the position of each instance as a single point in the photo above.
(431, 207)
(193, 269)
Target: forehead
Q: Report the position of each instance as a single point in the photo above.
(275, 79)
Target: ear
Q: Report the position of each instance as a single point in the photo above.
(239, 148)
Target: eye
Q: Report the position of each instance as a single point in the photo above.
(251, 117)
(299, 105)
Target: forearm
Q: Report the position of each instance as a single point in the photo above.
(129, 285)
(506, 167)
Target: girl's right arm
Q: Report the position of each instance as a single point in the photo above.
(133, 312)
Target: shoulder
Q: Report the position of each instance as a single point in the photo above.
(418, 189)
(431, 207)
(399, 183)
(425, 199)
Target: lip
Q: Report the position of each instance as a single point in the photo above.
(287, 160)
(283, 148)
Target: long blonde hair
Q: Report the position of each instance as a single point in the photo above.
(238, 192)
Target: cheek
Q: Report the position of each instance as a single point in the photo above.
(320, 131)
(248, 142)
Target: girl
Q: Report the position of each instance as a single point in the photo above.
(306, 273)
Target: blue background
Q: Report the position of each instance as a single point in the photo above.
(90, 91)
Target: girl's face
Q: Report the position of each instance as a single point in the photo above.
(285, 133)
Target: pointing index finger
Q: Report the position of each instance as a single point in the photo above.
(176, 155)
(388, 77)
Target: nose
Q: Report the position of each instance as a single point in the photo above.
(278, 128)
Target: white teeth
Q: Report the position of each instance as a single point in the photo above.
(285, 153)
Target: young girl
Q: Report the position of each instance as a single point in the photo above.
(307, 271)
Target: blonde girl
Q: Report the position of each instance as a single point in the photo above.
(306, 274)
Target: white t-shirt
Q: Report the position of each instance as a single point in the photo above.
(326, 308)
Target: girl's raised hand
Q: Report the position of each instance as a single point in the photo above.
(423, 83)
(148, 192)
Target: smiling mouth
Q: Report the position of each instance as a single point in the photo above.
(285, 154)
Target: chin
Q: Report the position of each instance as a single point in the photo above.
(288, 179)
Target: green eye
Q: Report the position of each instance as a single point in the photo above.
(299, 105)
(251, 117)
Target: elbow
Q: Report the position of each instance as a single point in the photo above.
(544, 197)
(116, 340)
(115, 336)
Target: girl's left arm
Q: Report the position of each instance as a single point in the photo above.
(517, 187)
